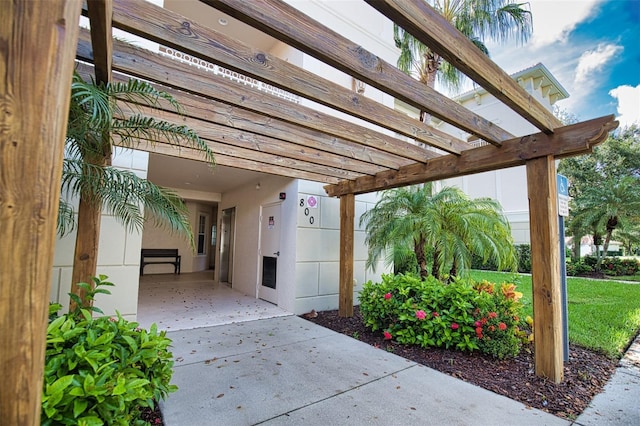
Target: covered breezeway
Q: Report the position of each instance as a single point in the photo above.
(254, 131)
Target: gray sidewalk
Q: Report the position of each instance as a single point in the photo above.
(288, 371)
(619, 402)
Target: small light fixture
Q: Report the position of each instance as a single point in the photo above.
(223, 22)
(258, 186)
(358, 86)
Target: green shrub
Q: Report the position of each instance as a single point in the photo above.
(616, 266)
(612, 266)
(524, 258)
(578, 268)
(102, 370)
(463, 315)
(523, 251)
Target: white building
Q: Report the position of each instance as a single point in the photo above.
(285, 230)
(508, 186)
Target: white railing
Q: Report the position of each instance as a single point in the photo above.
(231, 75)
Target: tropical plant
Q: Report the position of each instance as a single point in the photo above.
(476, 19)
(464, 315)
(607, 207)
(102, 370)
(448, 225)
(610, 168)
(101, 116)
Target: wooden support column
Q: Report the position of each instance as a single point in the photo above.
(347, 213)
(545, 268)
(38, 47)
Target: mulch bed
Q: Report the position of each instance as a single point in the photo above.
(585, 374)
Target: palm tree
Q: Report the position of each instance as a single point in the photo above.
(476, 19)
(447, 224)
(607, 207)
(97, 119)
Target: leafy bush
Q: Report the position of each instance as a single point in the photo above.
(463, 315)
(578, 268)
(524, 258)
(612, 266)
(616, 266)
(103, 370)
(523, 251)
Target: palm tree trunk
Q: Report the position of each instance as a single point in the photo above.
(596, 242)
(418, 248)
(611, 225)
(435, 268)
(454, 271)
(576, 247)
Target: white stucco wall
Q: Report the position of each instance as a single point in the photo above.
(118, 254)
(160, 237)
(247, 201)
(318, 249)
(508, 186)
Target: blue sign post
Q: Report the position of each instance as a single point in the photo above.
(563, 210)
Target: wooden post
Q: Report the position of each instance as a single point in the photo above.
(38, 47)
(347, 213)
(545, 268)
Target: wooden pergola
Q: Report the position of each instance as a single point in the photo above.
(252, 130)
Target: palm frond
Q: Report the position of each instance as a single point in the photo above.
(138, 91)
(124, 194)
(66, 219)
(138, 127)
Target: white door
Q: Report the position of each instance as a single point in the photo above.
(269, 253)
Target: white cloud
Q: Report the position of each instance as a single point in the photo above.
(628, 104)
(594, 60)
(553, 20)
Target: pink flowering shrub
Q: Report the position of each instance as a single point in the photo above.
(463, 315)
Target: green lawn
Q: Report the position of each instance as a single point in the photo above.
(604, 315)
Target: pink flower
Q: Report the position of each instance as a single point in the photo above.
(454, 326)
(421, 315)
(435, 314)
(478, 324)
(387, 296)
(479, 332)
(502, 326)
(492, 315)
(387, 335)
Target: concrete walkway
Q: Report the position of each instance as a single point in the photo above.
(619, 402)
(288, 371)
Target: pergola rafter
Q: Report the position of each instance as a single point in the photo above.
(253, 130)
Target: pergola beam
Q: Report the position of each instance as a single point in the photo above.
(286, 23)
(35, 105)
(141, 18)
(228, 115)
(228, 140)
(427, 25)
(141, 63)
(565, 141)
(231, 161)
(100, 13)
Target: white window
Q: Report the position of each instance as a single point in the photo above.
(202, 234)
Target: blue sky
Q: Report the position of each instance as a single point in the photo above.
(592, 47)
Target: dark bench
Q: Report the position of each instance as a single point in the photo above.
(167, 256)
